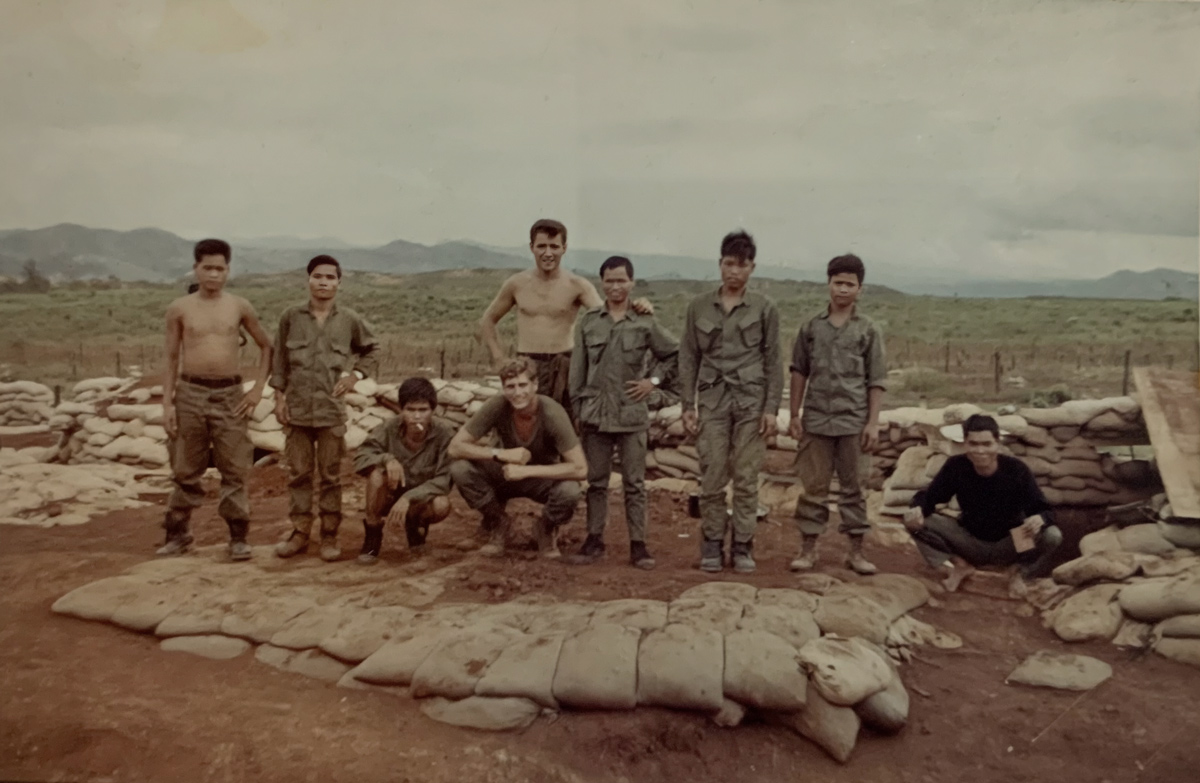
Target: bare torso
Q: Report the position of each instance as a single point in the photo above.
(546, 311)
(209, 329)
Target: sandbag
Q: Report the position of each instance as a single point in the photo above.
(597, 668)
(720, 614)
(633, 612)
(100, 599)
(1181, 534)
(831, 727)
(737, 592)
(397, 660)
(1184, 626)
(483, 713)
(1099, 566)
(785, 596)
(1092, 613)
(763, 671)
(867, 609)
(887, 710)
(311, 627)
(455, 666)
(844, 671)
(1045, 669)
(259, 620)
(1104, 540)
(682, 667)
(1181, 650)
(1146, 539)
(525, 668)
(1158, 599)
(910, 469)
(366, 631)
(794, 626)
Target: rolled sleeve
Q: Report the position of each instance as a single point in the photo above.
(801, 360)
(374, 451)
(279, 358)
(771, 359)
(366, 348)
(689, 360)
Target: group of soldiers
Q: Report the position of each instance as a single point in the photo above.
(579, 389)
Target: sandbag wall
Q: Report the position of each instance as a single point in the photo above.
(1137, 586)
(25, 404)
(822, 660)
(1060, 445)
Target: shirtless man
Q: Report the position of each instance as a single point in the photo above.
(547, 299)
(204, 408)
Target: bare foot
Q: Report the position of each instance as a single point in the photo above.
(953, 576)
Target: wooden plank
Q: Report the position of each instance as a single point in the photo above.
(1171, 407)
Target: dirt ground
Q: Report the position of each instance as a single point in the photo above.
(90, 701)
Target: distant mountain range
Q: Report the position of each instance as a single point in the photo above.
(72, 252)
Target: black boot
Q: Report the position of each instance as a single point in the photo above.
(415, 530)
(178, 539)
(372, 543)
(639, 556)
(591, 551)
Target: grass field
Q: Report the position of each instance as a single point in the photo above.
(943, 348)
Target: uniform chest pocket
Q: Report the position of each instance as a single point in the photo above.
(298, 350)
(595, 343)
(707, 333)
(634, 342)
(752, 332)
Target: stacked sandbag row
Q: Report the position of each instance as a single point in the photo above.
(128, 430)
(819, 661)
(364, 412)
(460, 400)
(27, 405)
(1064, 457)
(1138, 586)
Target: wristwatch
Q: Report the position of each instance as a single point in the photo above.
(495, 455)
(656, 381)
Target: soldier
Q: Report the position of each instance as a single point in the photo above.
(548, 299)
(204, 407)
(609, 388)
(839, 373)
(731, 382)
(540, 458)
(407, 467)
(321, 351)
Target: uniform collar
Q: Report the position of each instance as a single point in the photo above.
(308, 308)
(829, 307)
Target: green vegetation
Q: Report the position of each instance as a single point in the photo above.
(69, 333)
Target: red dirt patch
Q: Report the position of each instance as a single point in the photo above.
(89, 701)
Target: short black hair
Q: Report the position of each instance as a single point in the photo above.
(319, 260)
(212, 247)
(981, 422)
(550, 228)
(848, 263)
(739, 244)
(417, 390)
(616, 262)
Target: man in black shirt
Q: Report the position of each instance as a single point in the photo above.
(1004, 513)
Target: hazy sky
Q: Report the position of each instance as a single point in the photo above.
(1012, 137)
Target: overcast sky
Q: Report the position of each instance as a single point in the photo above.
(1007, 137)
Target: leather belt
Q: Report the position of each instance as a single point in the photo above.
(211, 383)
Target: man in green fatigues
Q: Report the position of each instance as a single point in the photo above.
(609, 389)
(321, 351)
(407, 469)
(839, 373)
(540, 458)
(731, 382)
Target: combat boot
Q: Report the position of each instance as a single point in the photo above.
(176, 544)
(856, 561)
(294, 544)
(591, 551)
(329, 549)
(372, 544)
(807, 559)
(497, 524)
(743, 560)
(712, 556)
(639, 556)
(239, 550)
(546, 534)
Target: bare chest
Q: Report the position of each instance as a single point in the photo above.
(554, 299)
(208, 321)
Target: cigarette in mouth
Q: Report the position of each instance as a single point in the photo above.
(419, 427)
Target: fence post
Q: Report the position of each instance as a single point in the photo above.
(996, 369)
(947, 361)
(1125, 379)
(442, 361)
(118, 364)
